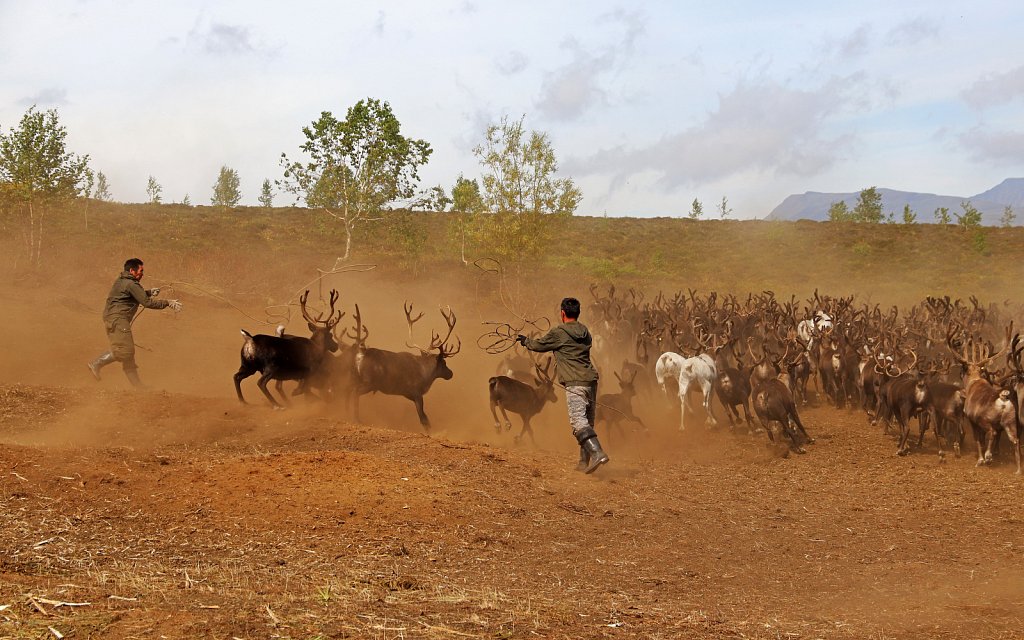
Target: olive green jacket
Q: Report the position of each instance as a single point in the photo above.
(125, 297)
(570, 341)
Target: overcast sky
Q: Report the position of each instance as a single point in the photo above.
(648, 105)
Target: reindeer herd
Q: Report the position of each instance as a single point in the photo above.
(356, 370)
(942, 362)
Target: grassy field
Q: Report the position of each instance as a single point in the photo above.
(881, 263)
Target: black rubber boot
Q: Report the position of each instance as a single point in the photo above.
(133, 377)
(99, 363)
(584, 459)
(589, 444)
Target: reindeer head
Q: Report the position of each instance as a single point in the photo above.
(973, 356)
(627, 384)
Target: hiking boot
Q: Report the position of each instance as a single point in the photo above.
(597, 455)
(99, 363)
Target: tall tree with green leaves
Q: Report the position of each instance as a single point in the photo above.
(357, 168)
(970, 218)
(153, 191)
(102, 192)
(526, 202)
(38, 172)
(839, 211)
(266, 198)
(467, 203)
(1008, 217)
(227, 190)
(868, 207)
(723, 208)
(696, 210)
(909, 215)
(942, 215)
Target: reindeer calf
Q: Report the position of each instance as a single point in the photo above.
(520, 398)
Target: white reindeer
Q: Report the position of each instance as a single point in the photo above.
(700, 369)
(807, 330)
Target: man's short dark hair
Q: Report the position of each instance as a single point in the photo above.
(571, 307)
(131, 264)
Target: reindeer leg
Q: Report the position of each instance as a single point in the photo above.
(705, 386)
(1010, 433)
(800, 425)
(243, 373)
(789, 431)
(418, 401)
(993, 444)
(526, 429)
(279, 387)
(494, 414)
(262, 384)
(684, 404)
(902, 449)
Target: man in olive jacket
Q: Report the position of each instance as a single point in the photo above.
(570, 341)
(123, 301)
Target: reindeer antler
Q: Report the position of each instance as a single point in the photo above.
(446, 350)
(359, 333)
(332, 318)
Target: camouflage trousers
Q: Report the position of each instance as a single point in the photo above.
(122, 343)
(582, 401)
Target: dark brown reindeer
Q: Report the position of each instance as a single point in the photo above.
(612, 408)
(988, 408)
(399, 373)
(905, 396)
(287, 357)
(948, 412)
(773, 402)
(509, 394)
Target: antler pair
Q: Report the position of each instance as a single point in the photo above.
(332, 318)
(436, 342)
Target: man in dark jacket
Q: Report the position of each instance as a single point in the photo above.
(123, 301)
(570, 341)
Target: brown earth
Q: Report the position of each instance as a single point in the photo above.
(179, 513)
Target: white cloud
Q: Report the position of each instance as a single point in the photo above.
(996, 89)
(912, 32)
(569, 91)
(994, 147)
(762, 126)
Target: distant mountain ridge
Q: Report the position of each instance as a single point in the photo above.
(814, 205)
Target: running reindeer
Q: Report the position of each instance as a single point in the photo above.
(285, 357)
(507, 393)
(400, 373)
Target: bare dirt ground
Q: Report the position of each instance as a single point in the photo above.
(179, 513)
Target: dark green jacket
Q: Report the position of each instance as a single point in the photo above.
(571, 343)
(125, 297)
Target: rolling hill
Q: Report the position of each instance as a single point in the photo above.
(814, 205)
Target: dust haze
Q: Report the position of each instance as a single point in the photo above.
(201, 515)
